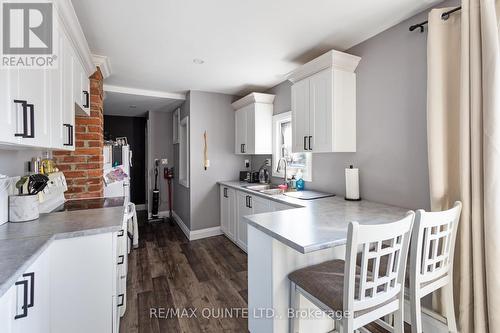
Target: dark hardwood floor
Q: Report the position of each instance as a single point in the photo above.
(168, 272)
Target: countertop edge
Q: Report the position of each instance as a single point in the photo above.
(4, 287)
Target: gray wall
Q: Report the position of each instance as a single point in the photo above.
(391, 121)
(213, 113)
(159, 146)
(182, 200)
(13, 162)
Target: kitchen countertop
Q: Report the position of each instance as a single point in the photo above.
(317, 224)
(22, 243)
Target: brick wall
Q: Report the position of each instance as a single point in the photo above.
(83, 167)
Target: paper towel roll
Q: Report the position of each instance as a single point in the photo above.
(352, 184)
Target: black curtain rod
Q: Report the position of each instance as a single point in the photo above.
(444, 16)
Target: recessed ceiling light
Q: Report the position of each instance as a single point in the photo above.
(133, 106)
(198, 61)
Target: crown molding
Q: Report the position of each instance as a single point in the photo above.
(75, 34)
(144, 92)
(103, 63)
(253, 98)
(331, 59)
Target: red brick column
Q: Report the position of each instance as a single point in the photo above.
(83, 167)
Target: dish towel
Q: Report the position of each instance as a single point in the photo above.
(133, 229)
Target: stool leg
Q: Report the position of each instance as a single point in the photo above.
(449, 307)
(416, 312)
(294, 304)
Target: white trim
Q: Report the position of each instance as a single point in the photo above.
(75, 34)
(253, 98)
(204, 233)
(195, 234)
(103, 63)
(335, 59)
(184, 149)
(144, 92)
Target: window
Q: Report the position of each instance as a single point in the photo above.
(282, 148)
(184, 152)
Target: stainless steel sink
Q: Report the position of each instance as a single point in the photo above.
(259, 187)
(274, 191)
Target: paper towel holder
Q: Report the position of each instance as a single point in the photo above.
(349, 199)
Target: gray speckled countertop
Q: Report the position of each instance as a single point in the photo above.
(317, 224)
(22, 243)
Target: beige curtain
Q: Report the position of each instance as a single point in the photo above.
(463, 123)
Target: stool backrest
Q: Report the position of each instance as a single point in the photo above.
(377, 284)
(433, 243)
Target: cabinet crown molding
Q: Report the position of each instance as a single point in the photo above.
(72, 26)
(103, 63)
(253, 98)
(332, 59)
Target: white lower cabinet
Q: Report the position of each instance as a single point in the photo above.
(235, 205)
(76, 285)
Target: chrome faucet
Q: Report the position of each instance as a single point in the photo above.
(278, 169)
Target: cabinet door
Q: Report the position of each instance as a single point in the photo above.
(232, 225)
(12, 118)
(300, 116)
(81, 91)
(35, 284)
(6, 310)
(224, 210)
(321, 111)
(260, 205)
(240, 118)
(33, 88)
(61, 101)
(251, 131)
(244, 208)
(278, 206)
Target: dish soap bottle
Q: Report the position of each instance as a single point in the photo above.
(300, 182)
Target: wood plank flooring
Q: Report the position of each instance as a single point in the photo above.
(169, 272)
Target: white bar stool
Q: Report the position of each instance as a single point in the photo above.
(365, 293)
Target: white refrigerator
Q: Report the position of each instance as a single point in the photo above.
(117, 156)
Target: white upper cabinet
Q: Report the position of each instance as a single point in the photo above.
(253, 124)
(40, 104)
(324, 104)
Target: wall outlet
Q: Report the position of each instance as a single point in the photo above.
(247, 163)
(164, 161)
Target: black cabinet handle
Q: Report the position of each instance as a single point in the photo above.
(246, 203)
(25, 118)
(241, 148)
(70, 134)
(25, 299)
(244, 148)
(122, 258)
(225, 192)
(121, 233)
(305, 143)
(310, 147)
(249, 202)
(31, 275)
(122, 301)
(87, 99)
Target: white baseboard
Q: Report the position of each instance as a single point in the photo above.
(195, 234)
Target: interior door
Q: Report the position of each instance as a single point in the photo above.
(321, 111)
(244, 208)
(240, 131)
(300, 115)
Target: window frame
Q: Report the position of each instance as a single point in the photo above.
(278, 119)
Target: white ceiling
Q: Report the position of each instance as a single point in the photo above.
(246, 45)
(119, 104)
